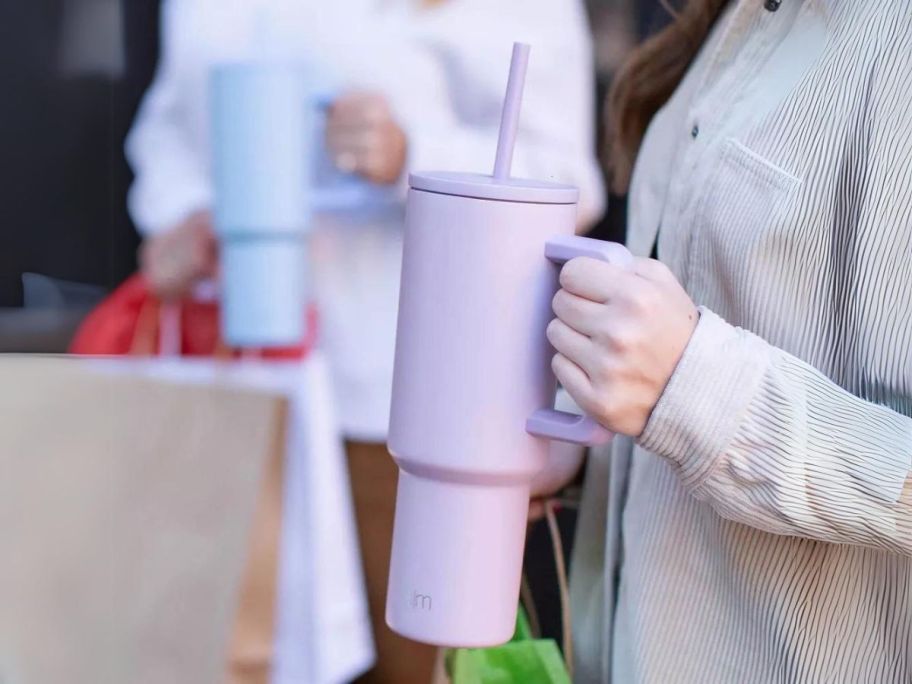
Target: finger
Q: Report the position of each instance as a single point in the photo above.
(209, 257)
(573, 379)
(349, 156)
(652, 269)
(374, 165)
(367, 118)
(346, 162)
(356, 141)
(567, 341)
(592, 279)
(168, 277)
(352, 128)
(358, 109)
(581, 314)
(349, 102)
(369, 163)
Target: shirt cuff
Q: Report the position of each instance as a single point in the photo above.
(709, 392)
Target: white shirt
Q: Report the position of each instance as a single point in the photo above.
(443, 69)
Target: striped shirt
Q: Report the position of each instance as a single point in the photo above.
(760, 530)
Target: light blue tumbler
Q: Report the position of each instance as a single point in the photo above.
(264, 115)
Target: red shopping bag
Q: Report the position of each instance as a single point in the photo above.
(132, 321)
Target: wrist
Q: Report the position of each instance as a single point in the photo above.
(697, 414)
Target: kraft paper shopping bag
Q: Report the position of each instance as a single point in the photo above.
(127, 510)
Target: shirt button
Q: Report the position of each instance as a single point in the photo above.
(695, 132)
(772, 5)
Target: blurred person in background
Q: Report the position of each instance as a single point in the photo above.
(752, 520)
(421, 84)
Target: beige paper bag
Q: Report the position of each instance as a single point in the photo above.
(127, 508)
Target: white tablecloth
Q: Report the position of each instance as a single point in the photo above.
(323, 632)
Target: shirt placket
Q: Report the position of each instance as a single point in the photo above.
(720, 88)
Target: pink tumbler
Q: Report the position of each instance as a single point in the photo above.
(473, 391)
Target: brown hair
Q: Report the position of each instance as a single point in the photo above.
(647, 80)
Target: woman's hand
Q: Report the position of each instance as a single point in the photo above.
(619, 334)
(364, 138)
(174, 261)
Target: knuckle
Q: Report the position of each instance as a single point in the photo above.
(660, 268)
(603, 371)
(552, 330)
(571, 275)
(608, 410)
(591, 407)
(597, 405)
(556, 364)
(642, 300)
(603, 332)
(559, 301)
(622, 339)
(567, 306)
(579, 310)
(634, 300)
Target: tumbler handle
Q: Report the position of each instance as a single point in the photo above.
(560, 425)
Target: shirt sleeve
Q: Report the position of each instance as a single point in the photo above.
(771, 442)
(169, 162)
(470, 42)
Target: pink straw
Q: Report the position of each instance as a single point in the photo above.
(509, 119)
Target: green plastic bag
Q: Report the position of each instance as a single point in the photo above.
(522, 661)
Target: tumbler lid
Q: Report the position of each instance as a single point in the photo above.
(484, 186)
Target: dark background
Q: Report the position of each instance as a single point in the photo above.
(64, 177)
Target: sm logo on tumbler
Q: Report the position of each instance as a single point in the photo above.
(420, 601)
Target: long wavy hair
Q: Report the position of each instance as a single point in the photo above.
(648, 78)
